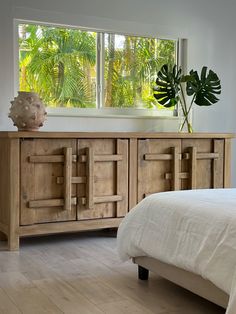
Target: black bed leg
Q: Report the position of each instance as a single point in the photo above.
(143, 273)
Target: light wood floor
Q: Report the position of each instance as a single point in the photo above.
(82, 274)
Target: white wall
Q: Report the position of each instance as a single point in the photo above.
(208, 25)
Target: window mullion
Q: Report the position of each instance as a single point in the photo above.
(100, 69)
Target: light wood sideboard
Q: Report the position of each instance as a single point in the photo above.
(54, 182)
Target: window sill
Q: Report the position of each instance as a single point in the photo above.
(111, 113)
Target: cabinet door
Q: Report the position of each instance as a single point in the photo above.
(103, 163)
(158, 166)
(203, 161)
(47, 166)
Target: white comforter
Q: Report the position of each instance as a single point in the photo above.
(194, 230)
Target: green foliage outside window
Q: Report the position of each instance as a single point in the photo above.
(60, 65)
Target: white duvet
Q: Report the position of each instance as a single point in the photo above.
(194, 230)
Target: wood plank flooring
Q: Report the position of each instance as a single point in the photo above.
(82, 274)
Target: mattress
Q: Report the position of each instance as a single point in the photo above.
(194, 230)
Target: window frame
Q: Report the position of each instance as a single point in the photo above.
(100, 111)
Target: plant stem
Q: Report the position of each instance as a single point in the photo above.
(186, 111)
(184, 105)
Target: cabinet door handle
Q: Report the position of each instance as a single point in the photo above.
(201, 155)
(175, 174)
(175, 168)
(50, 158)
(90, 177)
(67, 177)
(193, 156)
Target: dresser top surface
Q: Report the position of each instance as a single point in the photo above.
(41, 134)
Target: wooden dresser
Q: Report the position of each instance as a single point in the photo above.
(55, 182)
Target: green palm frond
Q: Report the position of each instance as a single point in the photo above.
(54, 60)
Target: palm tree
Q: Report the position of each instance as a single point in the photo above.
(131, 69)
(58, 63)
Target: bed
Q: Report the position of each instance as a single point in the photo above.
(188, 237)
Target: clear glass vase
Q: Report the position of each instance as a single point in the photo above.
(186, 125)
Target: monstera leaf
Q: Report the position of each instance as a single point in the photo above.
(203, 88)
(168, 86)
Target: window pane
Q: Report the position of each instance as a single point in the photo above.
(131, 66)
(59, 64)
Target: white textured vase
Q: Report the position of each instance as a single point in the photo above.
(27, 111)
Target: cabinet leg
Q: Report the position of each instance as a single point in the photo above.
(143, 273)
(3, 237)
(13, 243)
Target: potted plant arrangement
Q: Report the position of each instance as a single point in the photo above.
(172, 87)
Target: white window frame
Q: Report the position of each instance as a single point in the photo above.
(100, 111)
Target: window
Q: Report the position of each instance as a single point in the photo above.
(70, 67)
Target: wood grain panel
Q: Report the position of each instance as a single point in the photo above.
(4, 181)
(67, 170)
(205, 163)
(125, 135)
(151, 173)
(106, 170)
(69, 226)
(122, 178)
(102, 180)
(110, 173)
(175, 152)
(14, 156)
(49, 159)
(193, 167)
(89, 177)
(9, 190)
(39, 181)
(218, 164)
(51, 203)
(227, 163)
(133, 173)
